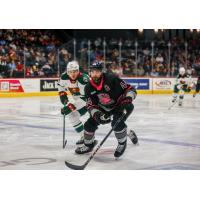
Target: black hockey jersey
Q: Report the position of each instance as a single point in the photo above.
(108, 94)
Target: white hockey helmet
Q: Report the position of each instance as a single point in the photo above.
(182, 71)
(72, 66)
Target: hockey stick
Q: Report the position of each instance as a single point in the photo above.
(72, 100)
(172, 104)
(81, 167)
(64, 141)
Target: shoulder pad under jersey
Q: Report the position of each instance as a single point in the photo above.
(83, 78)
(64, 76)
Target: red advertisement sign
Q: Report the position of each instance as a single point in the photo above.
(10, 86)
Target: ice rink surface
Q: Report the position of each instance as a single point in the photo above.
(31, 136)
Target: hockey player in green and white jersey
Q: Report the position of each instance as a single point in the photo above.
(71, 91)
(183, 84)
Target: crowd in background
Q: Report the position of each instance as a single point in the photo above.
(140, 62)
(42, 54)
(36, 49)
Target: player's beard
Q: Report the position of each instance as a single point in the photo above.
(97, 80)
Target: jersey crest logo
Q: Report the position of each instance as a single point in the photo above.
(74, 90)
(105, 99)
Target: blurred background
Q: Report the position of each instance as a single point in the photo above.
(131, 52)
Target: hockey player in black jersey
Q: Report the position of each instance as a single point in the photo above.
(106, 96)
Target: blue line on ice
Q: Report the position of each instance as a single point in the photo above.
(184, 144)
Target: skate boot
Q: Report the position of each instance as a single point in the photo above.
(133, 137)
(194, 95)
(86, 148)
(80, 141)
(180, 100)
(120, 149)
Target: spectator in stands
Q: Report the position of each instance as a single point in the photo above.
(127, 70)
(19, 70)
(35, 70)
(28, 72)
(47, 70)
(147, 68)
(116, 69)
(12, 68)
(140, 71)
(159, 58)
(154, 73)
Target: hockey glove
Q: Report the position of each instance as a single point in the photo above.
(188, 89)
(68, 109)
(101, 118)
(126, 106)
(63, 97)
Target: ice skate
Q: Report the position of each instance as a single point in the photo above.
(86, 148)
(133, 137)
(120, 149)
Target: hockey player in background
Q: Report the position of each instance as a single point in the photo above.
(182, 85)
(106, 96)
(197, 85)
(71, 91)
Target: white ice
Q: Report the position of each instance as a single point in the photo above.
(31, 136)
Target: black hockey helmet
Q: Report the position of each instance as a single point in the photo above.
(96, 65)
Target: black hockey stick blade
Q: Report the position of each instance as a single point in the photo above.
(75, 167)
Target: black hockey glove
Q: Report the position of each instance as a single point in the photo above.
(126, 106)
(101, 118)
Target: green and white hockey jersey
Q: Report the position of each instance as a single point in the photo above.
(183, 79)
(72, 90)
